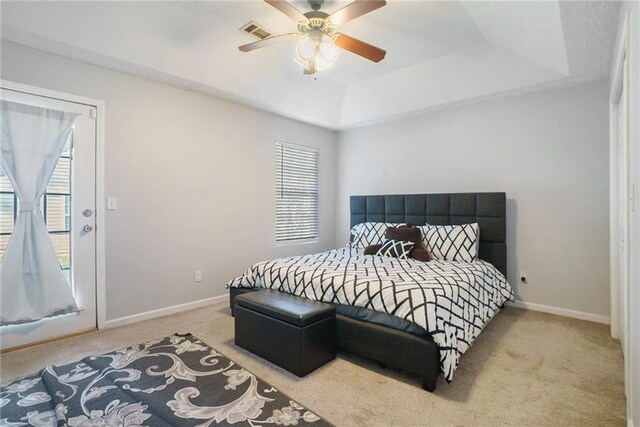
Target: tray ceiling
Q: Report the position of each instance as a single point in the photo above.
(440, 54)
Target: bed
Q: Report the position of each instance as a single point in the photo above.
(418, 317)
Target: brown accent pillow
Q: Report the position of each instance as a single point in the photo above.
(372, 250)
(409, 234)
(420, 254)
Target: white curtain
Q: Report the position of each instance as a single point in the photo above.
(32, 284)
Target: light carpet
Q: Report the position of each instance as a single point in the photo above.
(526, 368)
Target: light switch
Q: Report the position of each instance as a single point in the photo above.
(112, 203)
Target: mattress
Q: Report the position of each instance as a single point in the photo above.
(452, 301)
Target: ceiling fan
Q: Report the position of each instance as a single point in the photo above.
(319, 46)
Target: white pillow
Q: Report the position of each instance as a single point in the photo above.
(452, 242)
(369, 233)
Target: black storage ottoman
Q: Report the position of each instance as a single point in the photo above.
(295, 333)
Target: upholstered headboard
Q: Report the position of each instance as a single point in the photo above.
(487, 209)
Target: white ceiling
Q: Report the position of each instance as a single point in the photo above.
(439, 53)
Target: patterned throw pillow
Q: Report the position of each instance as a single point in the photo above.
(369, 233)
(396, 248)
(452, 242)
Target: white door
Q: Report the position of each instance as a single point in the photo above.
(624, 196)
(69, 208)
(623, 209)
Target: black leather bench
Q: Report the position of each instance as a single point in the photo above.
(295, 333)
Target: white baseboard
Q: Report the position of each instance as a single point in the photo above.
(561, 311)
(127, 320)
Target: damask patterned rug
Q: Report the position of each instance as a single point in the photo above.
(173, 381)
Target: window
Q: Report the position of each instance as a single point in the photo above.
(55, 206)
(296, 192)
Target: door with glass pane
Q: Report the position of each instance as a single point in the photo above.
(68, 208)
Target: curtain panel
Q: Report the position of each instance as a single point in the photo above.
(32, 284)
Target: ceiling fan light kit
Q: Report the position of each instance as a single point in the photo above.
(320, 55)
(320, 45)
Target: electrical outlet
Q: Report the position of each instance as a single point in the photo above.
(197, 276)
(523, 277)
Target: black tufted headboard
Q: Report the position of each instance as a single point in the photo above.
(487, 209)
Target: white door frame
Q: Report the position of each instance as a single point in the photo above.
(615, 95)
(619, 82)
(100, 193)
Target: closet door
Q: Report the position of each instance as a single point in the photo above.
(623, 209)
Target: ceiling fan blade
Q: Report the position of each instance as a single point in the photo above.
(267, 42)
(355, 10)
(287, 9)
(358, 47)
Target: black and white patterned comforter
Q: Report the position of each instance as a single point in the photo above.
(453, 301)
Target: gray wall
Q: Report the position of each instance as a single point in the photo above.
(194, 177)
(547, 150)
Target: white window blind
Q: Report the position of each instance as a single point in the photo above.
(296, 192)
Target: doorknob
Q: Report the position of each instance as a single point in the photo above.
(87, 228)
(87, 212)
